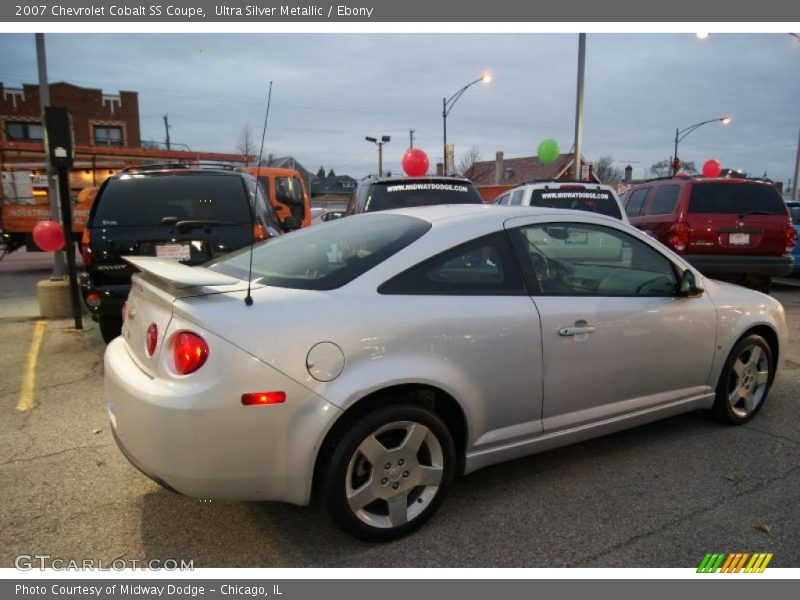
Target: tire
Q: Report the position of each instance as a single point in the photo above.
(389, 499)
(745, 381)
(110, 327)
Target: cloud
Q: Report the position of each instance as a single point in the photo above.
(332, 90)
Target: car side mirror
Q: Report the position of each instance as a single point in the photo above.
(291, 223)
(688, 287)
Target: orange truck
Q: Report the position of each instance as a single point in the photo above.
(24, 201)
(287, 194)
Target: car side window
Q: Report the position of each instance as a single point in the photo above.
(503, 200)
(576, 259)
(483, 267)
(636, 202)
(665, 200)
(516, 198)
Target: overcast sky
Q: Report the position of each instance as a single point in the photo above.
(331, 90)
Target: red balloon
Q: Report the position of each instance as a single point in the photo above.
(49, 236)
(712, 168)
(415, 162)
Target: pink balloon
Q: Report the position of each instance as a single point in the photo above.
(712, 168)
(49, 236)
(415, 162)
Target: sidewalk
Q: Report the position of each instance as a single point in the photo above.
(20, 271)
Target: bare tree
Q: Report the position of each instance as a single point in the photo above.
(246, 144)
(663, 168)
(469, 159)
(605, 170)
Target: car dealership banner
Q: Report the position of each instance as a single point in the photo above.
(442, 11)
(386, 589)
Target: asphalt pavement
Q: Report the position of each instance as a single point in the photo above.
(660, 495)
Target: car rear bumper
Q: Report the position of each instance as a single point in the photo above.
(198, 440)
(112, 297)
(720, 264)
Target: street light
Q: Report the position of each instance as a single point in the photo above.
(680, 134)
(385, 139)
(447, 106)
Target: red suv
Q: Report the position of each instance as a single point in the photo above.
(733, 229)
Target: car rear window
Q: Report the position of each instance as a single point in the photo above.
(326, 256)
(735, 198)
(385, 195)
(597, 201)
(141, 200)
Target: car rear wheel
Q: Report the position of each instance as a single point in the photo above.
(745, 381)
(110, 327)
(389, 473)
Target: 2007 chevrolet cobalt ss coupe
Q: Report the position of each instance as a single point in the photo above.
(380, 355)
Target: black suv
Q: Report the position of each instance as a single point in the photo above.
(183, 213)
(404, 192)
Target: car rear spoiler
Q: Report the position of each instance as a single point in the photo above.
(179, 275)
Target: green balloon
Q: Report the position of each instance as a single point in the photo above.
(548, 151)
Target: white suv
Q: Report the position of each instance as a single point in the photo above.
(575, 195)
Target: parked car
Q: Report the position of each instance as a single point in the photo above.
(184, 214)
(794, 213)
(405, 192)
(324, 215)
(287, 193)
(728, 228)
(461, 340)
(575, 195)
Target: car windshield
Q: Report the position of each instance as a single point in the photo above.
(735, 198)
(794, 210)
(141, 200)
(385, 195)
(326, 256)
(597, 201)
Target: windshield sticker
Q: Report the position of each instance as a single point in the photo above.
(413, 187)
(573, 195)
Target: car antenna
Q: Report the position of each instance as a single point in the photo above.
(248, 299)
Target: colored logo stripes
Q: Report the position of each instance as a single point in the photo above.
(734, 562)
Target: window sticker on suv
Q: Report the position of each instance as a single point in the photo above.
(582, 195)
(412, 187)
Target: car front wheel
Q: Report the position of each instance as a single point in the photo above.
(745, 381)
(390, 472)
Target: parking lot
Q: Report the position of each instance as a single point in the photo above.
(656, 496)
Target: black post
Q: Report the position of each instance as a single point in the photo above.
(69, 244)
(675, 155)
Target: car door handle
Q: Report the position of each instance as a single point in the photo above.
(568, 331)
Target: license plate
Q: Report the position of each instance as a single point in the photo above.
(173, 251)
(738, 239)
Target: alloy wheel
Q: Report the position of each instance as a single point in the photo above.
(748, 380)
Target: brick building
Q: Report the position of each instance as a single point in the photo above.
(98, 118)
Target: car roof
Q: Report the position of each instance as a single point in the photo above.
(404, 179)
(485, 212)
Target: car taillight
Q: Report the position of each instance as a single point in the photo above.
(86, 251)
(679, 236)
(263, 398)
(259, 233)
(92, 300)
(791, 238)
(152, 338)
(190, 352)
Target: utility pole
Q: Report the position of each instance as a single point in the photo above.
(411, 138)
(166, 127)
(579, 105)
(59, 267)
(796, 170)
